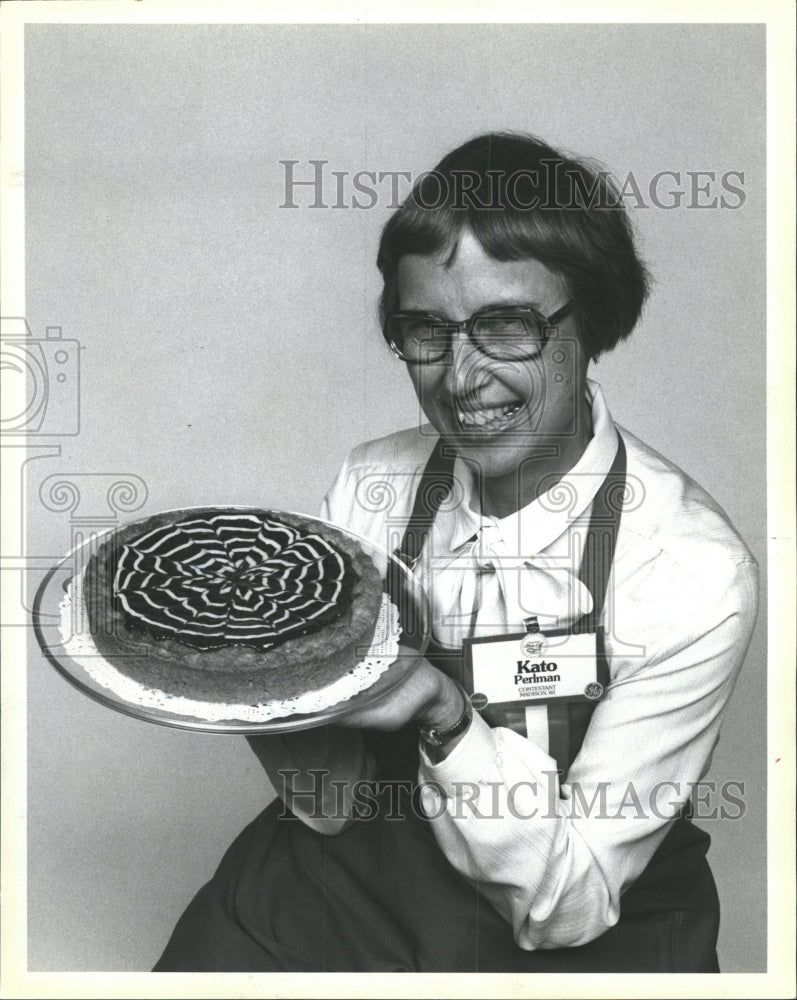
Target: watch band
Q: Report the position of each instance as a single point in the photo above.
(435, 737)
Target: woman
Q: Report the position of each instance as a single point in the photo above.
(548, 830)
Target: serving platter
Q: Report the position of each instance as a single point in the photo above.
(63, 632)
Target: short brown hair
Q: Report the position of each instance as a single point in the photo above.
(523, 199)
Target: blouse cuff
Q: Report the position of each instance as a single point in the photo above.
(473, 756)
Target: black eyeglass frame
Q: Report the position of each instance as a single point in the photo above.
(542, 324)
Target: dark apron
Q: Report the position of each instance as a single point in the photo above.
(381, 896)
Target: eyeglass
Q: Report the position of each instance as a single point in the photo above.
(504, 333)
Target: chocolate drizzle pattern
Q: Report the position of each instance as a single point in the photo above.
(230, 579)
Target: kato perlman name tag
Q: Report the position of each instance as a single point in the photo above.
(532, 668)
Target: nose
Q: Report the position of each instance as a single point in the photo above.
(467, 369)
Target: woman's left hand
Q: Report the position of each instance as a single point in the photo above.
(426, 696)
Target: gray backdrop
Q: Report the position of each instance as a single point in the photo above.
(230, 354)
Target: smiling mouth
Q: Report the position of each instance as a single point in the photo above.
(492, 418)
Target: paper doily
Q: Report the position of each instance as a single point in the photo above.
(80, 647)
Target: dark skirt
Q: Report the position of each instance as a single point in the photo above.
(381, 897)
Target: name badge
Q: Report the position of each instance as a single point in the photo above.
(532, 668)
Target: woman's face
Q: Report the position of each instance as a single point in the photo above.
(503, 416)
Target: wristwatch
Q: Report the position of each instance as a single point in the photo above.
(432, 736)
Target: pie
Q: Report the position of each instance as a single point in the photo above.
(232, 605)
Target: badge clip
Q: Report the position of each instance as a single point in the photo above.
(533, 642)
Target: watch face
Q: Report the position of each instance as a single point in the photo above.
(439, 737)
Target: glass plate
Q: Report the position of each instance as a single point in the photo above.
(406, 590)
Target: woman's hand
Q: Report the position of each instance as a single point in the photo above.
(426, 696)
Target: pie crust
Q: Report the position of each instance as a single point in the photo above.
(234, 671)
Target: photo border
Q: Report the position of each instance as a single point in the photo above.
(779, 980)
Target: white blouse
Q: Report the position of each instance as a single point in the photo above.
(679, 612)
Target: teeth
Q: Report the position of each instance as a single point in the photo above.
(480, 418)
